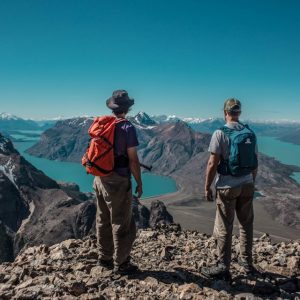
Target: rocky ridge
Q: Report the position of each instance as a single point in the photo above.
(169, 260)
(34, 209)
(31, 202)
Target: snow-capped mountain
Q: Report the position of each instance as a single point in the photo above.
(282, 128)
(205, 125)
(8, 117)
(47, 119)
(160, 119)
(9, 122)
(144, 119)
(193, 120)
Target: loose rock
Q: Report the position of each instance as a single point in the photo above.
(169, 260)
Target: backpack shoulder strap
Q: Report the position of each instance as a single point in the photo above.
(248, 127)
(120, 120)
(226, 130)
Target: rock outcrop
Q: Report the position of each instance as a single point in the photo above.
(159, 214)
(169, 260)
(33, 206)
(34, 209)
(141, 214)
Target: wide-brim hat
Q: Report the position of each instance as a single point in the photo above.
(119, 100)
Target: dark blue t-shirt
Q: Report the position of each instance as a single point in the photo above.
(125, 137)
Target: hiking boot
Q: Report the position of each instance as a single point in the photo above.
(247, 267)
(106, 264)
(126, 268)
(220, 271)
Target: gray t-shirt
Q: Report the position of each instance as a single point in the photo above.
(219, 144)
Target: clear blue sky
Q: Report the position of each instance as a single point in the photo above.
(64, 57)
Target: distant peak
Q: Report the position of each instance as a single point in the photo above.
(8, 116)
(192, 120)
(165, 118)
(144, 119)
(142, 113)
(177, 126)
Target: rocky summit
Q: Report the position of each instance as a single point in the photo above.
(34, 209)
(169, 260)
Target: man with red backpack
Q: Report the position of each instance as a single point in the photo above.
(112, 155)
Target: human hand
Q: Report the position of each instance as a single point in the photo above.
(209, 195)
(139, 190)
(137, 200)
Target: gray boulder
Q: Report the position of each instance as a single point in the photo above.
(159, 214)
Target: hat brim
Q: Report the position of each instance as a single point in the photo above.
(111, 103)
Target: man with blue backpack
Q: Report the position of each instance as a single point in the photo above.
(233, 157)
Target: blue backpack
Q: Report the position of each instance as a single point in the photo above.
(242, 156)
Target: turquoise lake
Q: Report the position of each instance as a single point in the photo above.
(286, 153)
(153, 185)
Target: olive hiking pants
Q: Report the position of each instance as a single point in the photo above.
(115, 226)
(229, 201)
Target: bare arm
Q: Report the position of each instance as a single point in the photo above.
(211, 171)
(135, 168)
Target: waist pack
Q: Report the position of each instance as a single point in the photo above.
(242, 156)
(98, 159)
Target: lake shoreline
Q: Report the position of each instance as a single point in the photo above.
(73, 172)
(193, 212)
(188, 207)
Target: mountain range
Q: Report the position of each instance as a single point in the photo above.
(10, 124)
(176, 150)
(287, 131)
(38, 211)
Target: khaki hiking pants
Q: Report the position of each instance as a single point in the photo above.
(229, 201)
(115, 225)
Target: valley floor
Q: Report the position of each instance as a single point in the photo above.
(197, 214)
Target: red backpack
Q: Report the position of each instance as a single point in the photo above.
(99, 157)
